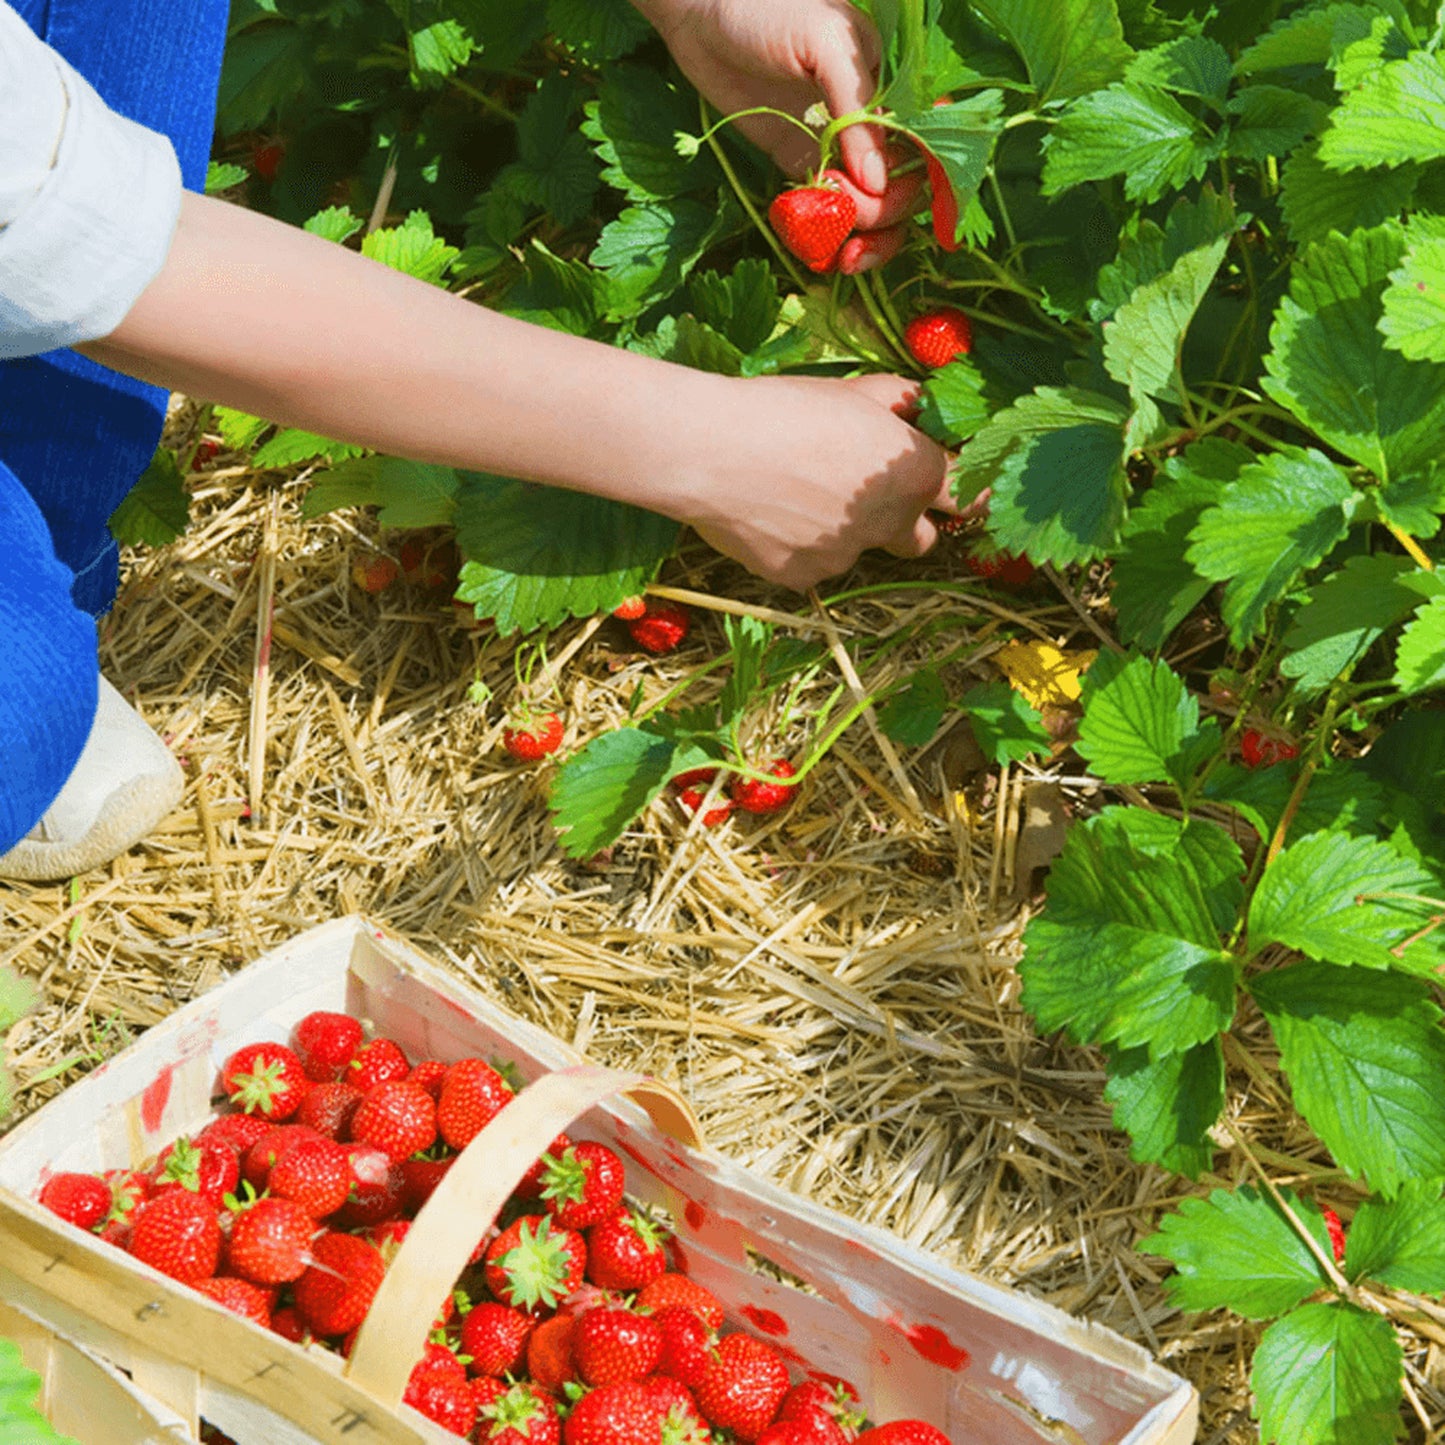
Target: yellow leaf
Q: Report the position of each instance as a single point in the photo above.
(1045, 676)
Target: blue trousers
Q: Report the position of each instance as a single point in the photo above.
(74, 436)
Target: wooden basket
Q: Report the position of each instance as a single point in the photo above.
(988, 1366)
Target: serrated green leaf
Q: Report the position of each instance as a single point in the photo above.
(1128, 951)
(555, 166)
(1314, 35)
(335, 223)
(1168, 1106)
(1420, 662)
(1340, 798)
(1322, 896)
(598, 31)
(564, 295)
(1237, 1250)
(912, 715)
(1142, 134)
(600, 790)
(1004, 725)
(291, 445)
(961, 138)
(1316, 200)
(1055, 460)
(412, 247)
(1191, 65)
(538, 555)
(633, 125)
(408, 494)
(954, 406)
(1148, 250)
(440, 49)
(1283, 515)
(239, 430)
(742, 304)
(1155, 585)
(688, 342)
(222, 176)
(1069, 47)
(649, 250)
(1400, 1242)
(157, 509)
(1365, 1057)
(21, 1422)
(1396, 114)
(749, 640)
(264, 67)
(1343, 618)
(1270, 121)
(1414, 306)
(1141, 724)
(1328, 1374)
(1414, 503)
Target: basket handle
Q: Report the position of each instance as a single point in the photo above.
(469, 1199)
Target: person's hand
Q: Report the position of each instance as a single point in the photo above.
(814, 472)
(789, 56)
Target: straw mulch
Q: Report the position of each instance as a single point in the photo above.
(833, 990)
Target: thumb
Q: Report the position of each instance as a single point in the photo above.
(845, 66)
(898, 394)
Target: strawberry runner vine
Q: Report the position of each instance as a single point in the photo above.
(1200, 260)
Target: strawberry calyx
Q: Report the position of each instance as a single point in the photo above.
(255, 1090)
(515, 1409)
(537, 1266)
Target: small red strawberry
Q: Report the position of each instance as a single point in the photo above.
(582, 1184)
(326, 1043)
(625, 1251)
(549, 1352)
(209, 1168)
(399, 1118)
(473, 1095)
(695, 778)
(836, 1398)
(378, 1189)
(903, 1432)
(743, 1387)
(520, 1415)
(630, 609)
(287, 1323)
(84, 1200)
(937, 337)
(238, 1130)
(535, 1262)
(337, 1289)
(177, 1233)
(374, 575)
(687, 1343)
(270, 1240)
(265, 1079)
(443, 1394)
(670, 1290)
(377, 1062)
(207, 450)
(430, 1075)
(261, 1157)
(1337, 1234)
(1258, 750)
(813, 222)
(624, 1414)
(814, 1428)
(266, 160)
(533, 738)
(329, 1109)
(679, 1418)
(420, 1178)
(692, 800)
(315, 1173)
(662, 628)
(754, 795)
(239, 1296)
(1002, 567)
(609, 1345)
(496, 1336)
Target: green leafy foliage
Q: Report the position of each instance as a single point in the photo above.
(1401, 1241)
(21, 1422)
(912, 716)
(1168, 1106)
(157, 508)
(1004, 725)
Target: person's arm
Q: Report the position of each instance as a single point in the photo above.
(792, 477)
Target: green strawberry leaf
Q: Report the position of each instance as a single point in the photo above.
(597, 31)
(1341, 797)
(1414, 304)
(1168, 1106)
(1365, 1058)
(960, 139)
(1069, 47)
(222, 176)
(1004, 725)
(538, 555)
(1237, 1250)
(954, 406)
(1191, 65)
(1394, 114)
(1285, 513)
(409, 494)
(412, 247)
(1400, 1242)
(291, 445)
(335, 223)
(741, 304)
(1345, 900)
(21, 1422)
(690, 342)
(634, 123)
(440, 49)
(1420, 663)
(648, 251)
(1317, 200)
(914, 714)
(1129, 949)
(1141, 724)
(1311, 37)
(1328, 1374)
(157, 509)
(1269, 121)
(565, 295)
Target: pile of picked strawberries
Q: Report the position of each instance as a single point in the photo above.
(570, 1323)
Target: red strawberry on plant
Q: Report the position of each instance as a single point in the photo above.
(743, 1387)
(903, 1432)
(1258, 750)
(378, 1188)
(473, 1095)
(265, 1079)
(625, 1251)
(329, 1109)
(533, 738)
(326, 1043)
(239, 1296)
(209, 1168)
(534, 1263)
(398, 1117)
(702, 778)
(692, 800)
(813, 222)
(337, 1289)
(442, 1393)
(1337, 1235)
(549, 1352)
(377, 1062)
(757, 795)
(177, 1233)
(84, 1200)
(521, 1415)
(270, 1240)
(670, 1290)
(315, 1173)
(374, 575)
(938, 337)
(661, 628)
(496, 1337)
(609, 1345)
(266, 160)
(630, 609)
(687, 1343)
(582, 1184)
(1002, 567)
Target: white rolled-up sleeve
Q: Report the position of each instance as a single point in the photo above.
(88, 201)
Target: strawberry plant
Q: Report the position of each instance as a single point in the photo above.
(1192, 275)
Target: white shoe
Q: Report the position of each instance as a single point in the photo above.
(125, 783)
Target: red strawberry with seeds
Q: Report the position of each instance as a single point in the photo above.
(337, 1289)
(756, 795)
(239, 1296)
(209, 1168)
(702, 778)
(671, 1290)
(473, 1095)
(238, 1130)
(625, 1414)
(625, 1251)
(535, 1262)
(813, 222)
(326, 1043)
(265, 1079)
(430, 1075)
(266, 160)
(443, 1394)
(520, 1415)
(420, 1178)
(1258, 750)
(270, 1240)
(398, 1117)
(630, 609)
(692, 800)
(261, 1157)
(903, 1432)
(329, 1109)
(809, 1426)
(533, 738)
(177, 1233)
(496, 1336)
(836, 1398)
(549, 1352)
(84, 1200)
(287, 1323)
(1002, 567)
(316, 1173)
(582, 1184)
(377, 1062)
(743, 1387)
(938, 337)
(609, 1345)
(661, 628)
(687, 1343)
(378, 1188)
(1337, 1235)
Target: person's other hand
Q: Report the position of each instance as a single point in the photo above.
(789, 56)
